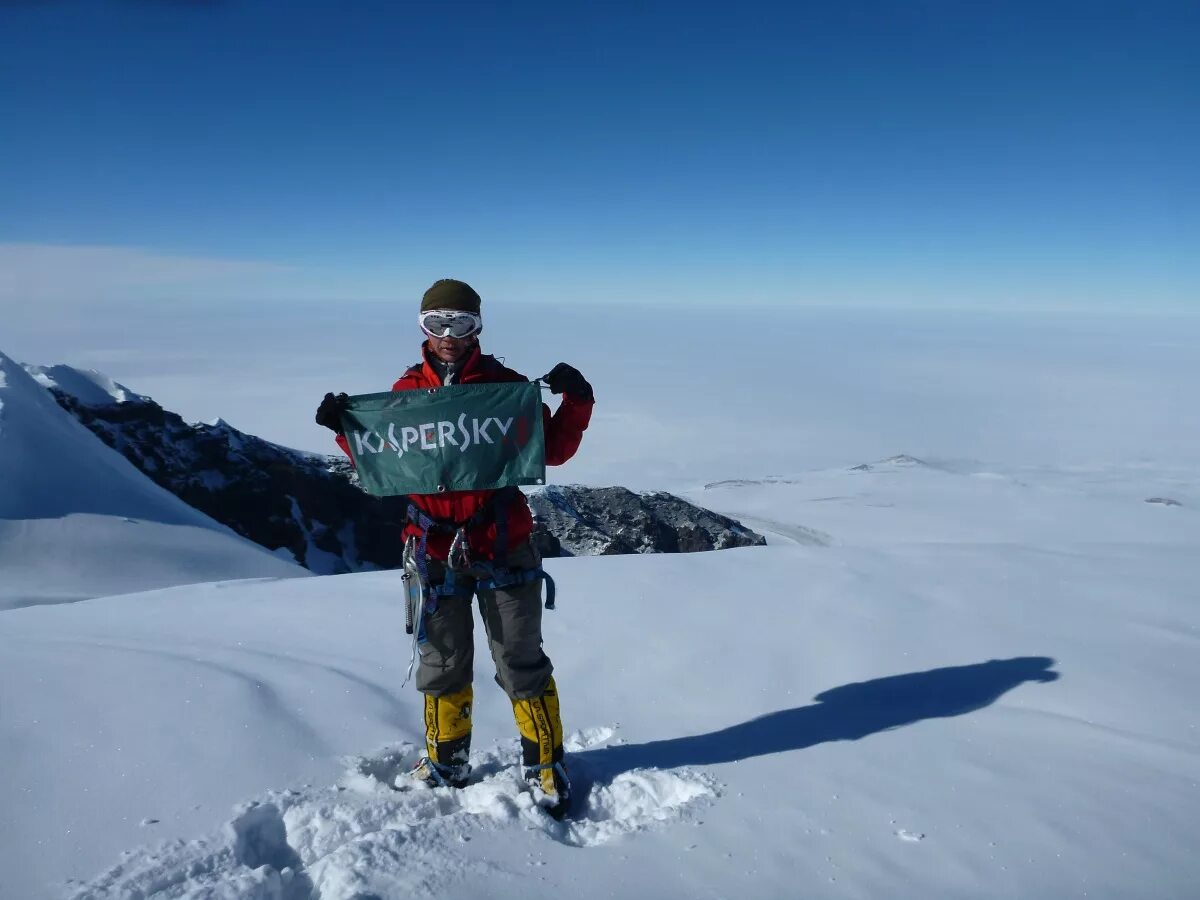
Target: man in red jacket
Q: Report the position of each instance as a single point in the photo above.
(500, 566)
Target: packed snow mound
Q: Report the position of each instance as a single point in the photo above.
(78, 521)
(375, 833)
(85, 385)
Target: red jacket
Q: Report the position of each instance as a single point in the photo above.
(563, 431)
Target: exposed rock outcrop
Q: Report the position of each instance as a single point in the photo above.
(581, 521)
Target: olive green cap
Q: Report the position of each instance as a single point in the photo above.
(449, 293)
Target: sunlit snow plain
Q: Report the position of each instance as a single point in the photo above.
(965, 672)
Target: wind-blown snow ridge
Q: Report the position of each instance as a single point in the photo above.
(85, 385)
(362, 837)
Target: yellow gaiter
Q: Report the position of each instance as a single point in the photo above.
(448, 727)
(541, 733)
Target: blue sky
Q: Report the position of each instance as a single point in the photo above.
(953, 153)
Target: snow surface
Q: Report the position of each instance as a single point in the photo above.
(968, 672)
(937, 681)
(78, 521)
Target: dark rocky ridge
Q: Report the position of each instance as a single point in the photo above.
(306, 504)
(310, 506)
(580, 521)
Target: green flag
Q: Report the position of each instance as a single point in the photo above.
(463, 437)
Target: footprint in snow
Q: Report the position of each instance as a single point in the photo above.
(361, 837)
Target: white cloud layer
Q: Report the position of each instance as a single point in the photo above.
(696, 396)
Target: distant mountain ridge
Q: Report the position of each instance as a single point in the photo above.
(311, 506)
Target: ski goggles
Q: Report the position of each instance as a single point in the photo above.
(443, 323)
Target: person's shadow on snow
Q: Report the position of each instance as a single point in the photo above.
(845, 713)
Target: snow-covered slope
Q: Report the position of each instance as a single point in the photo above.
(936, 682)
(78, 521)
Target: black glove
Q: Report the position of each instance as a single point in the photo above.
(564, 379)
(329, 413)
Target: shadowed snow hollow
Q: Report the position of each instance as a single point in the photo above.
(77, 521)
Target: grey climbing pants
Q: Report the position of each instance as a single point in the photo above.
(512, 620)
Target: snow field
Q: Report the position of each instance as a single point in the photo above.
(942, 679)
(906, 715)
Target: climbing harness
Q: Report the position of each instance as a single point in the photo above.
(422, 596)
